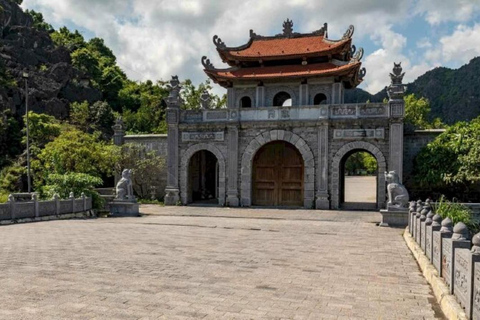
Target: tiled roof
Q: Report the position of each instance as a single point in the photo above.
(285, 48)
(260, 73)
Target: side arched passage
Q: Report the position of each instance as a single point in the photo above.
(336, 174)
(278, 135)
(184, 168)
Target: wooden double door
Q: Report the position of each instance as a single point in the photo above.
(278, 171)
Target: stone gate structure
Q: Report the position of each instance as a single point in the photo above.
(285, 135)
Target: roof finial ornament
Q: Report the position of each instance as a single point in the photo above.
(288, 28)
(397, 75)
(218, 42)
(207, 64)
(349, 33)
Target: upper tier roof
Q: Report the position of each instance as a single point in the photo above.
(286, 45)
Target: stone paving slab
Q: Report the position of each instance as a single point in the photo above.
(212, 263)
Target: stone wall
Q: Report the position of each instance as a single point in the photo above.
(157, 143)
(36, 210)
(413, 143)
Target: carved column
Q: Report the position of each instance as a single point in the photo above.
(322, 200)
(232, 167)
(303, 101)
(172, 192)
(231, 98)
(396, 91)
(118, 132)
(337, 93)
(260, 96)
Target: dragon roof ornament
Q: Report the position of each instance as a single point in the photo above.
(218, 42)
(207, 64)
(349, 33)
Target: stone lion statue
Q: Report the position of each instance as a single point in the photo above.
(397, 193)
(124, 187)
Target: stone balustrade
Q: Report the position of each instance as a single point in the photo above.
(35, 209)
(449, 248)
(304, 113)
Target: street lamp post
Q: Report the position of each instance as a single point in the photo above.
(25, 77)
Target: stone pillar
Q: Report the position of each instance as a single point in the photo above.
(56, 198)
(11, 202)
(396, 91)
(303, 101)
(84, 198)
(260, 96)
(232, 167)
(36, 205)
(337, 93)
(231, 98)
(322, 201)
(71, 197)
(118, 132)
(172, 191)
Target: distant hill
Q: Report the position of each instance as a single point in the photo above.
(454, 94)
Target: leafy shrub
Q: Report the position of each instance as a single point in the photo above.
(458, 212)
(78, 183)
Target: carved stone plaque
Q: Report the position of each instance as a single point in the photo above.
(369, 111)
(447, 261)
(339, 111)
(428, 242)
(422, 240)
(397, 109)
(216, 115)
(171, 116)
(359, 133)
(203, 136)
(436, 253)
(418, 232)
(476, 292)
(462, 279)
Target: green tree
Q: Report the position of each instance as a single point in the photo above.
(38, 21)
(43, 129)
(417, 111)
(450, 164)
(148, 169)
(191, 95)
(70, 40)
(86, 62)
(91, 118)
(361, 163)
(75, 151)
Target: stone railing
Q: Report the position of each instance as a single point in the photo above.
(450, 251)
(35, 209)
(334, 111)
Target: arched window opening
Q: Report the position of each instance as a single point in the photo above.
(245, 102)
(320, 99)
(282, 99)
(359, 171)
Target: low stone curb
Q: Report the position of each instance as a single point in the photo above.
(449, 305)
(78, 215)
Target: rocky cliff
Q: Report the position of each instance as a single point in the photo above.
(53, 81)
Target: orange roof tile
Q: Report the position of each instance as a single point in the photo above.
(259, 73)
(286, 47)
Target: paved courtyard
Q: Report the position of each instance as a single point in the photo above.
(212, 263)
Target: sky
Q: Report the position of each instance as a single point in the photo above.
(155, 39)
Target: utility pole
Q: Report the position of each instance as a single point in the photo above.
(25, 77)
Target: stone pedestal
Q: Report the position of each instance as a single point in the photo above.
(124, 209)
(394, 218)
(172, 197)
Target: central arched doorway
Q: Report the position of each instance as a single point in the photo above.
(203, 177)
(359, 170)
(278, 175)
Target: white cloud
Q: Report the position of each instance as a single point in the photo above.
(156, 39)
(462, 45)
(439, 11)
